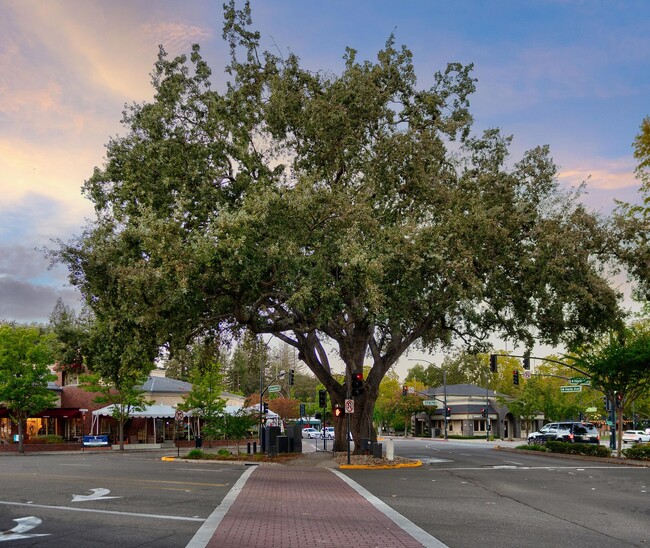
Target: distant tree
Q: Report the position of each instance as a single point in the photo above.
(619, 365)
(205, 401)
(71, 333)
(249, 361)
(633, 221)
(26, 352)
(125, 396)
(238, 425)
(389, 389)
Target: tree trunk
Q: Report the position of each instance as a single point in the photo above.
(361, 424)
(619, 431)
(121, 434)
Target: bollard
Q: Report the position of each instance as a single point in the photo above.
(248, 448)
(390, 449)
(254, 447)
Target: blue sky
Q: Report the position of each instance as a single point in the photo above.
(571, 74)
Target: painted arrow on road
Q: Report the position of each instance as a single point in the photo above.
(24, 525)
(97, 494)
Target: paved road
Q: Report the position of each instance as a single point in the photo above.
(468, 494)
(145, 502)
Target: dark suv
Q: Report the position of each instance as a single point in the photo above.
(571, 432)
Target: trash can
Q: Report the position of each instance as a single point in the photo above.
(377, 451)
(198, 441)
(366, 444)
(283, 444)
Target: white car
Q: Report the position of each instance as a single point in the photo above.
(328, 432)
(310, 433)
(635, 436)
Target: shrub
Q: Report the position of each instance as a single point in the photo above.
(50, 438)
(578, 449)
(533, 447)
(639, 451)
(223, 453)
(195, 454)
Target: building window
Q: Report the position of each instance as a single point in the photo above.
(70, 377)
(479, 426)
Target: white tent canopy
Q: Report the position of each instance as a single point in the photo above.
(155, 411)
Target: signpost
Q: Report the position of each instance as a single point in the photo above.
(349, 406)
(570, 388)
(274, 388)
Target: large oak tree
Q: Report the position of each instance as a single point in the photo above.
(353, 211)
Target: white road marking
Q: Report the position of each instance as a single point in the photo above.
(24, 525)
(98, 493)
(95, 511)
(416, 532)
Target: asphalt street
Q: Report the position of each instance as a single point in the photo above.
(469, 494)
(108, 499)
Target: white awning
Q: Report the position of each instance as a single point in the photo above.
(156, 411)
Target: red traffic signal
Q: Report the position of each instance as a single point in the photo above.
(515, 377)
(405, 390)
(357, 384)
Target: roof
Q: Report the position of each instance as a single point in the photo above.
(459, 390)
(163, 384)
(150, 411)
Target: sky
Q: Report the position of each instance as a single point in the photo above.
(571, 74)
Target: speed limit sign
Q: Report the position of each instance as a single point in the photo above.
(349, 406)
(179, 415)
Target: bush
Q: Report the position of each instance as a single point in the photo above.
(50, 438)
(639, 451)
(195, 454)
(223, 453)
(578, 449)
(533, 447)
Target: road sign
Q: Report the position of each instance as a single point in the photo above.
(429, 402)
(579, 380)
(349, 406)
(274, 388)
(527, 374)
(179, 415)
(591, 410)
(570, 388)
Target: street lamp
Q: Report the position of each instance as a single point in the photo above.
(444, 388)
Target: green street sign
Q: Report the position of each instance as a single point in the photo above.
(570, 388)
(429, 402)
(274, 388)
(591, 410)
(579, 380)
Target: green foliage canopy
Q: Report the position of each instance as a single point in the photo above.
(353, 209)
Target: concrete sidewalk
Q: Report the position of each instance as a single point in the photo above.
(308, 505)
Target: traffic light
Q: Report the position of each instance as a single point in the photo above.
(619, 400)
(483, 413)
(405, 390)
(322, 398)
(527, 363)
(606, 403)
(302, 410)
(448, 412)
(338, 411)
(493, 363)
(291, 377)
(515, 377)
(357, 384)
(266, 407)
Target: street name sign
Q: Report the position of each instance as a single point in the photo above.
(579, 380)
(274, 388)
(570, 388)
(429, 402)
(591, 410)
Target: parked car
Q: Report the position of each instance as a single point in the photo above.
(571, 432)
(310, 433)
(635, 436)
(328, 432)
